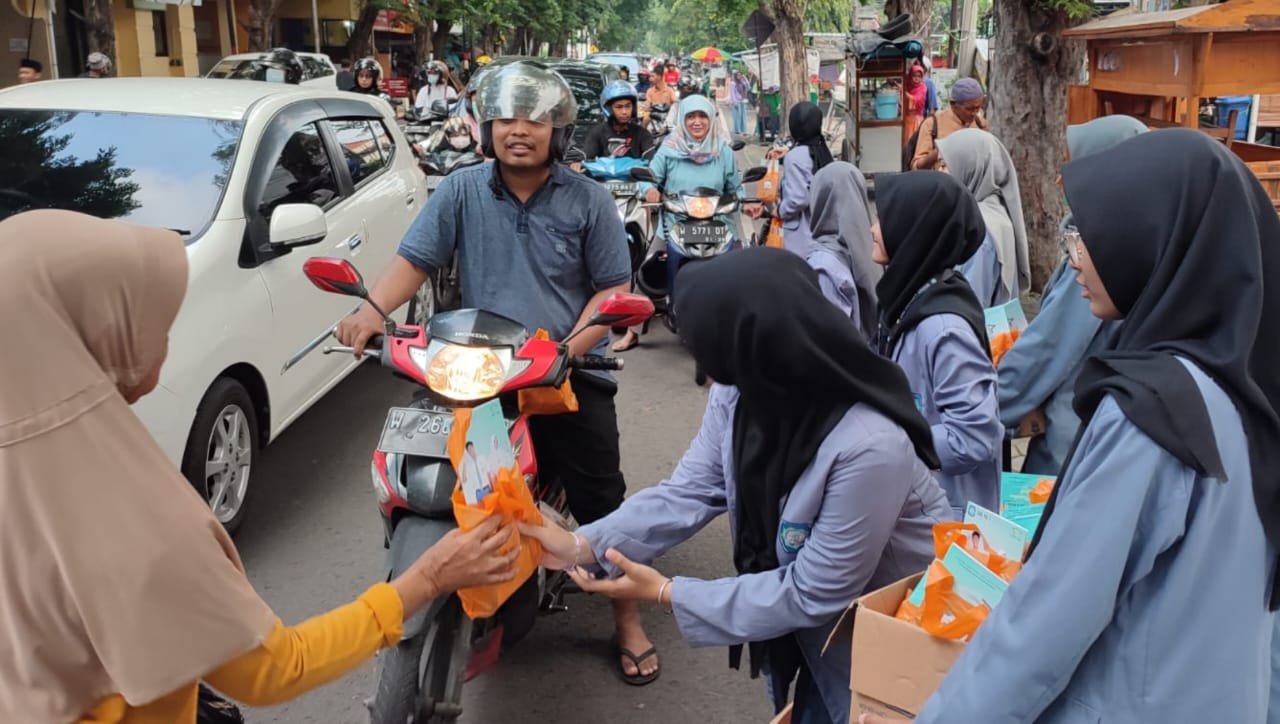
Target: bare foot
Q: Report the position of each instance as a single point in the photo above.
(631, 636)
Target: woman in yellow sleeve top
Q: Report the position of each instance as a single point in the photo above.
(119, 590)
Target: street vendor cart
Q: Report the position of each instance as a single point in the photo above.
(877, 128)
(1159, 66)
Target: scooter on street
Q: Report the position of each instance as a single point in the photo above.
(459, 359)
(615, 174)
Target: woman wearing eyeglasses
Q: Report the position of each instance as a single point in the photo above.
(1038, 375)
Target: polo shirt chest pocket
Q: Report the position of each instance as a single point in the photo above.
(565, 249)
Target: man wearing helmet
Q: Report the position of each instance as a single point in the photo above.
(544, 246)
(97, 65)
(368, 73)
(618, 134)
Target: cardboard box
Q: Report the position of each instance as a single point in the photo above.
(895, 666)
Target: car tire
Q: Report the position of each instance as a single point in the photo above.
(221, 450)
(422, 305)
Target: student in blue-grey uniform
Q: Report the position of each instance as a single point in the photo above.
(811, 443)
(839, 247)
(1146, 595)
(932, 325)
(1001, 268)
(1038, 374)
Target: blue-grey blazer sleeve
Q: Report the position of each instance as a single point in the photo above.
(1048, 350)
(858, 514)
(964, 393)
(797, 175)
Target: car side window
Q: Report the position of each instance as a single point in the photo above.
(302, 174)
(360, 149)
(387, 146)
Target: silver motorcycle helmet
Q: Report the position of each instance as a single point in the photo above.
(529, 91)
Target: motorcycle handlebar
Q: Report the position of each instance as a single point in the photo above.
(372, 348)
(595, 362)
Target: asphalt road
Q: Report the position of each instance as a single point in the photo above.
(313, 541)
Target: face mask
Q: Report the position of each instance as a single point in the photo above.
(433, 78)
(459, 142)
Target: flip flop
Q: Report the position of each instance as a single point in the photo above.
(638, 679)
(634, 343)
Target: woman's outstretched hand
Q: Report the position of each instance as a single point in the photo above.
(638, 582)
(459, 560)
(560, 548)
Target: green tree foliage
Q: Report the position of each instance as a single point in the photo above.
(39, 174)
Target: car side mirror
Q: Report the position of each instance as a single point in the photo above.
(643, 173)
(294, 225)
(753, 174)
(738, 145)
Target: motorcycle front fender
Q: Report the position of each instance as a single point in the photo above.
(410, 538)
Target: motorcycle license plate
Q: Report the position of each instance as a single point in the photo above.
(433, 182)
(414, 431)
(705, 233)
(622, 188)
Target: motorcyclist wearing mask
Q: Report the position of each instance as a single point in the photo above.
(368, 76)
(544, 246)
(618, 135)
(436, 88)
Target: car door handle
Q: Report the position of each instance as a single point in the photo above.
(408, 201)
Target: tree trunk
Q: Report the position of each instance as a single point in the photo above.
(921, 15)
(422, 42)
(1031, 67)
(360, 44)
(560, 48)
(788, 17)
(101, 33)
(262, 20)
(440, 39)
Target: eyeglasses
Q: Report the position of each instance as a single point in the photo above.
(1074, 244)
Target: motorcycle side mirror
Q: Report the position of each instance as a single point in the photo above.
(642, 173)
(623, 310)
(753, 174)
(336, 276)
(339, 276)
(738, 145)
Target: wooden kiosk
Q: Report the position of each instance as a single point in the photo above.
(1157, 67)
(877, 141)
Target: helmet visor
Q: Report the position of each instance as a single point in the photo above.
(527, 93)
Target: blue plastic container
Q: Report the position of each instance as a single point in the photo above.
(886, 106)
(1226, 104)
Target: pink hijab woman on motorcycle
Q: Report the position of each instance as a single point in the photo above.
(120, 590)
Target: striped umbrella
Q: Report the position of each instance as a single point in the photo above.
(709, 55)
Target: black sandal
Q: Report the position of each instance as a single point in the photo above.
(637, 679)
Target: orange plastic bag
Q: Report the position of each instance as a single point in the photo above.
(510, 499)
(774, 238)
(548, 400)
(1041, 492)
(963, 535)
(1002, 343)
(770, 184)
(944, 613)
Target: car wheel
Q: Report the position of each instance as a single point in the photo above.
(221, 450)
(422, 306)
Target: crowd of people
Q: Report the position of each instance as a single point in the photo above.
(855, 404)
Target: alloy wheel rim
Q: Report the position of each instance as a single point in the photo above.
(228, 463)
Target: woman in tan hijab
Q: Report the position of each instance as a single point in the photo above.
(119, 590)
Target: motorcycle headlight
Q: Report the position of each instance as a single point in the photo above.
(465, 374)
(700, 207)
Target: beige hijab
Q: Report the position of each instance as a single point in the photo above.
(114, 575)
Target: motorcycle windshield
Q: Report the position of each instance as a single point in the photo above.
(611, 169)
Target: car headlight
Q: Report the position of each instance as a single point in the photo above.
(700, 207)
(462, 373)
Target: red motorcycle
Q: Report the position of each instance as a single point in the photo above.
(461, 359)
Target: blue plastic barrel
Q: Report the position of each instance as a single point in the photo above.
(886, 106)
(1226, 104)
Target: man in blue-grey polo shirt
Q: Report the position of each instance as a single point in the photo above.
(544, 246)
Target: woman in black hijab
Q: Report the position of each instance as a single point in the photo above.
(812, 444)
(807, 157)
(932, 325)
(1147, 593)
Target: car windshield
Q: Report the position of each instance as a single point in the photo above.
(163, 171)
(587, 87)
(228, 68)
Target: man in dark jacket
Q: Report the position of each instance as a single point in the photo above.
(619, 134)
